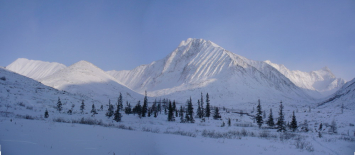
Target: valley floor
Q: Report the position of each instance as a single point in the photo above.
(22, 136)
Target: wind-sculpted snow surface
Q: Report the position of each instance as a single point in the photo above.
(87, 79)
(323, 80)
(34, 69)
(197, 65)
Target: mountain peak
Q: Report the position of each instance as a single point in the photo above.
(197, 42)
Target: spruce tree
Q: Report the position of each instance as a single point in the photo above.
(120, 102)
(259, 118)
(320, 127)
(190, 111)
(281, 120)
(155, 108)
(109, 112)
(93, 110)
(181, 115)
(270, 121)
(145, 105)
(207, 110)
(202, 107)
(138, 109)
(171, 112)
(199, 112)
(293, 124)
(216, 114)
(117, 115)
(82, 107)
(46, 115)
(59, 105)
(229, 122)
(128, 109)
(159, 107)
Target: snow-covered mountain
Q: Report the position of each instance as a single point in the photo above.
(197, 65)
(34, 69)
(87, 79)
(345, 95)
(18, 89)
(323, 80)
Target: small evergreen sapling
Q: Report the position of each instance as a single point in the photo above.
(270, 121)
(117, 115)
(82, 107)
(59, 105)
(293, 122)
(93, 110)
(216, 115)
(46, 115)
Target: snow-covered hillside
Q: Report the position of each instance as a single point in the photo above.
(323, 80)
(34, 69)
(199, 66)
(87, 79)
(21, 90)
(345, 95)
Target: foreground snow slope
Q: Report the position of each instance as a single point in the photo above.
(34, 69)
(87, 79)
(199, 66)
(323, 80)
(20, 90)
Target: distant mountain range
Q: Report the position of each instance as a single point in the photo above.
(195, 66)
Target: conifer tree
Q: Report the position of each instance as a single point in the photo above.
(229, 122)
(93, 110)
(320, 127)
(190, 111)
(202, 107)
(120, 102)
(82, 107)
(155, 108)
(145, 105)
(159, 107)
(259, 118)
(128, 109)
(333, 127)
(216, 114)
(138, 109)
(109, 112)
(270, 121)
(207, 110)
(293, 124)
(46, 115)
(281, 120)
(117, 115)
(199, 112)
(59, 105)
(181, 115)
(171, 112)
(342, 107)
(101, 107)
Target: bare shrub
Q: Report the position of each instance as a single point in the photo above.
(146, 129)
(301, 144)
(21, 104)
(3, 78)
(182, 133)
(266, 134)
(29, 107)
(61, 120)
(121, 126)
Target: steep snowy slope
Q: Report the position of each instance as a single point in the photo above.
(18, 89)
(87, 79)
(323, 80)
(34, 69)
(345, 95)
(199, 66)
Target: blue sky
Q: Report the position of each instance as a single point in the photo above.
(118, 35)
